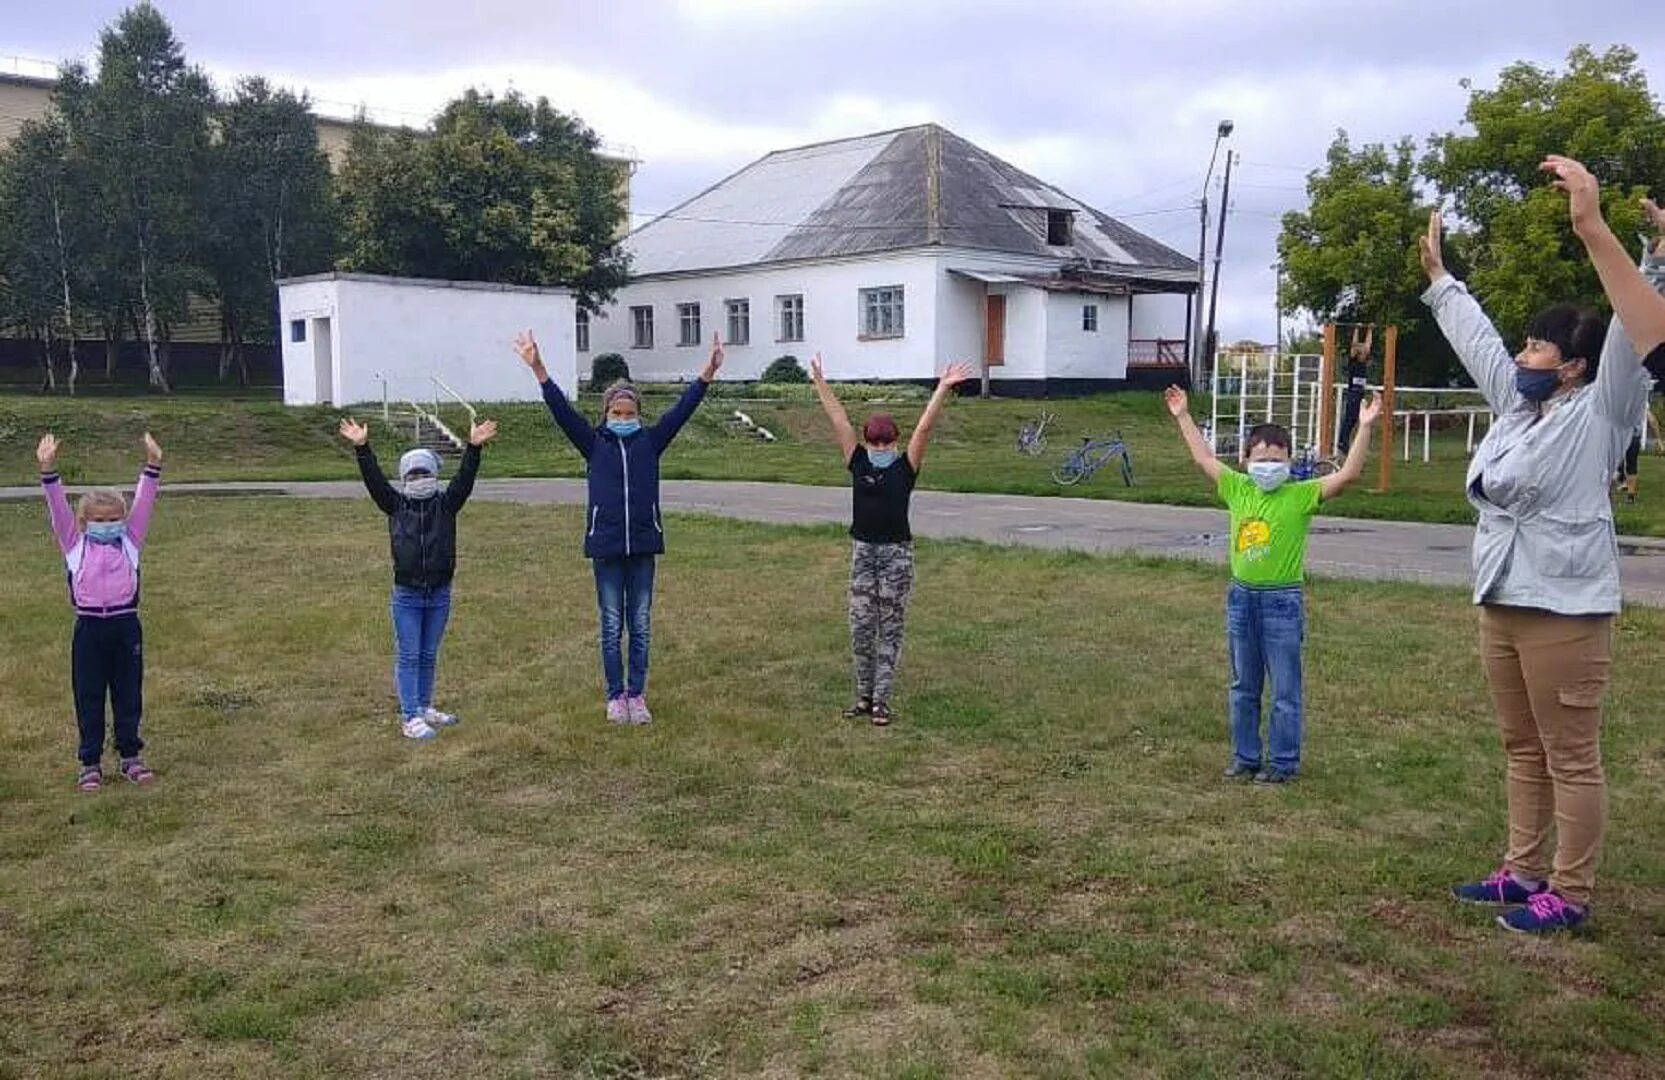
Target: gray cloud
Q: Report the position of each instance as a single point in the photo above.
(1115, 102)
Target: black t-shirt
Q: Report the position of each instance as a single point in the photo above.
(879, 503)
(1655, 362)
(1358, 377)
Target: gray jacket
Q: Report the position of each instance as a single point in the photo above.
(1545, 536)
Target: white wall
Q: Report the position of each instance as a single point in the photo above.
(1159, 315)
(1074, 353)
(409, 331)
(831, 321)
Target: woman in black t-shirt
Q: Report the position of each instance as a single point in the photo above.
(881, 564)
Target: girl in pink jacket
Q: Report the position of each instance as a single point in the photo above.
(101, 541)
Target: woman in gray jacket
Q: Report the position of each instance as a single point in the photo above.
(1546, 569)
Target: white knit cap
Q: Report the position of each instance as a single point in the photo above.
(419, 459)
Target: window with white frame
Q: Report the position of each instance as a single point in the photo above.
(881, 312)
(739, 321)
(641, 327)
(789, 317)
(582, 330)
(688, 324)
(1089, 318)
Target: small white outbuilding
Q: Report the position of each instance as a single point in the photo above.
(353, 338)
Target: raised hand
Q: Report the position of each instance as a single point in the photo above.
(153, 450)
(1429, 245)
(956, 374)
(1655, 217)
(815, 372)
(354, 432)
(46, 452)
(482, 433)
(1583, 192)
(712, 365)
(526, 347)
(1178, 403)
(1370, 410)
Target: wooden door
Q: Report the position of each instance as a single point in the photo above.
(994, 344)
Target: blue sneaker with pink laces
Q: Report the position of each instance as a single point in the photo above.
(1545, 913)
(1502, 889)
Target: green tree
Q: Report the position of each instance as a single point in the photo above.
(267, 211)
(1351, 255)
(1514, 230)
(45, 215)
(500, 189)
(141, 130)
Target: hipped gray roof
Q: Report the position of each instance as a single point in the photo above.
(909, 188)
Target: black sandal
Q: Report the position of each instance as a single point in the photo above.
(862, 707)
(880, 714)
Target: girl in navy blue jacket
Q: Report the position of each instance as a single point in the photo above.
(623, 532)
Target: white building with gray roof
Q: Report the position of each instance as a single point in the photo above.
(892, 255)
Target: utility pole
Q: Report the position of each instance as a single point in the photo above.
(1222, 131)
(1219, 246)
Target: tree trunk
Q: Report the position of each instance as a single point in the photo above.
(63, 280)
(242, 364)
(112, 348)
(49, 371)
(228, 336)
(158, 374)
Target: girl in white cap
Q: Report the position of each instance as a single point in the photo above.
(422, 528)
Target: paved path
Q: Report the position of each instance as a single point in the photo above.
(1346, 547)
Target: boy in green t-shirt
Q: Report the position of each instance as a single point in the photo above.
(1265, 606)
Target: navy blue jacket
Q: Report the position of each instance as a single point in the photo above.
(623, 514)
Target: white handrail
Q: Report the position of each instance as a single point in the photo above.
(441, 384)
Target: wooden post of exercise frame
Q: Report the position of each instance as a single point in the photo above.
(1326, 394)
(1390, 369)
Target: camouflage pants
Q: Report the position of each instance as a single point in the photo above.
(881, 580)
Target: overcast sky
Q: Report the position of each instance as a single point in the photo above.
(1116, 102)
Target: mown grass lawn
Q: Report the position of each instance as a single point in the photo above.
(211, 439)
(1035, 872)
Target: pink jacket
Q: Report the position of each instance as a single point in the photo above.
(103, 578)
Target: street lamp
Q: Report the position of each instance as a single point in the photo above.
(1221, 132)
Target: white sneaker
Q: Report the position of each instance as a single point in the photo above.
(415, 727)
(437, 719)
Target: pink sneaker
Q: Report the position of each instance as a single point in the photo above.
(638, 710)
(618, 711)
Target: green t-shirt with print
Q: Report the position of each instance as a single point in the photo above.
(1268, 528)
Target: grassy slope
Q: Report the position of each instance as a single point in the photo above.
(1035, 872)
(973, 451)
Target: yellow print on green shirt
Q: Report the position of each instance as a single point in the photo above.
(1254, 539)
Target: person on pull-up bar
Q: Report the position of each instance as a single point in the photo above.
(1358, 383)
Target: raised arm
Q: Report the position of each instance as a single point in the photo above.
(1179, 406)
(567, 418)
(144, 496)
(679, 414)
(1353, 467)
(381, 492)
(842, 428)
(1471, 334)
(64, 528)
(954, 376)
(462, 486)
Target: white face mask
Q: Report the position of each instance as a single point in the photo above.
(421, 487)
(1269, 475)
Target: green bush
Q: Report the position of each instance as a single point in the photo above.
(607, 368)
(785, 369)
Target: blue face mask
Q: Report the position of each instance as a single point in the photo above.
(106, 532)
(882, 459)
(622, 428)
(1269, 475)
(1537, 385)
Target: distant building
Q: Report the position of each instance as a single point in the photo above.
(893, 254)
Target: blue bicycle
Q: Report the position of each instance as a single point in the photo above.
(1092, 455)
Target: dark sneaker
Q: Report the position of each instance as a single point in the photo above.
(1544, 913)
(1502, 889)
(1239, 771)
(1275, 776)
(862, 708)
(880, 714)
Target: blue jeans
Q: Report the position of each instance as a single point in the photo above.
(419, 618)
(624, 593)
(1264, 630)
